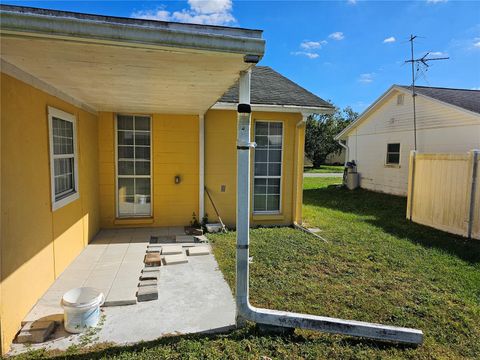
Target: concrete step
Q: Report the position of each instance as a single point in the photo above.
(201, 239)
(35, 331)
(175, 259)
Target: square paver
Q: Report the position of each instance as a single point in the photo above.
(119, 296)
(175, 259)
(185, 239)
(152, 259)
(147, 283)
(147, 293)
(151, 269)
(149, 275)
(172, 250)
(198, 250)
(35, 332)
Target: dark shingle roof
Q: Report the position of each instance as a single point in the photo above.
(268, 87)
(466, 99)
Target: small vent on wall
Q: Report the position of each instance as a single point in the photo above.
(391, 121)
(400, 99)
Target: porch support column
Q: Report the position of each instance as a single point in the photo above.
(298, 165)
(201, 167)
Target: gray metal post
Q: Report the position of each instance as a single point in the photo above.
(281, 318)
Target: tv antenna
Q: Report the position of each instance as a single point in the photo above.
(420, 62)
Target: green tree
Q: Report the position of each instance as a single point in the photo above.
(321, 131)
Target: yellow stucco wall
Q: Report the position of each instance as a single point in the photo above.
(221, 166)
(36, 243)
(175, 152)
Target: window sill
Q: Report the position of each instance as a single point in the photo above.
(65, 201)
(393, 166)
(266, 216)
(133, 221)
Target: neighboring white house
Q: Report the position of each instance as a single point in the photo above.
(380, 140)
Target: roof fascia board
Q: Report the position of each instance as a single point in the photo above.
(366, 112)
(70, 28)
(276, 108)
(31, 80)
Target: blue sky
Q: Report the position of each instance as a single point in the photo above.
(349, 51)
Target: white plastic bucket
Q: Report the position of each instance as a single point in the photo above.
(81, 308)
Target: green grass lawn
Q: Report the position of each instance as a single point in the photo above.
(376, 267)
(326, 169)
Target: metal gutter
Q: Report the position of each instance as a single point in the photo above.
(275, 318)
(31, 22)
(276, 108)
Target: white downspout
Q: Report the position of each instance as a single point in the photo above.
(201, 167)
(281, 318)
(347, 150)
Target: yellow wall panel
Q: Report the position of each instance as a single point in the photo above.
(29, 260)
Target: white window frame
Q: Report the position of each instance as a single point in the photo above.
(399, 153)
(280, 207)
(75, 194)
(117, 204)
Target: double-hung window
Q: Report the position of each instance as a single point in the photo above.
(393, 154)
(133, 166)
(268, 167)
(63, 157)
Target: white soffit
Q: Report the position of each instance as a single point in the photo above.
(184, 74)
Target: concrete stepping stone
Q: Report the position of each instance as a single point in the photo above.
(198, 250)
(175, 259)
(35, 331)
(154, 250)
(151, 269)
(120, 296)
(172, 250)
(153, 259)
(147, 293)
(201, 239)
(149, 276)
(189, 239)
(147, 283)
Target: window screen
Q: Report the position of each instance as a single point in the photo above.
(63, 158)
(268, 166)
(393, 153)
(133, 165)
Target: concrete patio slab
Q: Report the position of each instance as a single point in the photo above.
(192, 298)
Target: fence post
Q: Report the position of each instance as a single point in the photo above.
(473, 186)
(411, 183)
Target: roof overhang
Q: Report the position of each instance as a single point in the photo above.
(277, 108)
(119, 64)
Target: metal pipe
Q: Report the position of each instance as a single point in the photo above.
(283, 319)
(347, 150)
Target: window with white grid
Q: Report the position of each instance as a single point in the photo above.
(63, 157)
(133, 166)
(268, 167)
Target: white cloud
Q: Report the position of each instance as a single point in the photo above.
(476, 44)
(390, 39)
(308, 54)
(366, 78)
(352, 2)
(475, 88)
(337, 35)
(211, 12)
(438, 53)
(307, 45)
(436, 1)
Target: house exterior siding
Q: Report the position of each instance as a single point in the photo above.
(440, 128)
(36, 243)
(221, 166)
